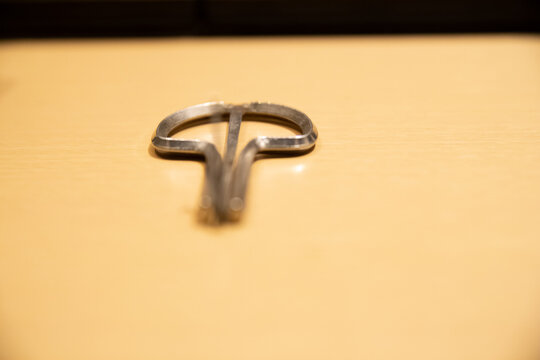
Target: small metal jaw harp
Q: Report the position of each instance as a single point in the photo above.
(225, 186)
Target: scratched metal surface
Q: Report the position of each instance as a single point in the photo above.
(411, 231)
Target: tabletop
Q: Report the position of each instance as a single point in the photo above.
(411, 231)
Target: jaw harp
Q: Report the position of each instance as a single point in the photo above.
(225, 186)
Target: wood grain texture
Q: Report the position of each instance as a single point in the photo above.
(411, 231)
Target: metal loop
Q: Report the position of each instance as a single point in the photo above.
(225, 186)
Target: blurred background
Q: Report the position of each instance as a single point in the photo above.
(66, 18)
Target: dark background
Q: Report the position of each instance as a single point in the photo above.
(68, 18)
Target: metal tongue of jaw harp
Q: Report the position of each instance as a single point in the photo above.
(225, 186)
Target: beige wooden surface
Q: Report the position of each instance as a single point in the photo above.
(412, 231)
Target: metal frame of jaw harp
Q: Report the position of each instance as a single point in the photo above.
(225, 186)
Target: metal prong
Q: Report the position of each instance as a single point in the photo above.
(235, 121)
